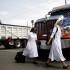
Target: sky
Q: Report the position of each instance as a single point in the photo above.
(21, 12)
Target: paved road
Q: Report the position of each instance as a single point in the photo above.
(7, 62)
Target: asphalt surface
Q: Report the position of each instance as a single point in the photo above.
(7, 62)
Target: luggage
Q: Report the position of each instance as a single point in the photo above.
(19, 58)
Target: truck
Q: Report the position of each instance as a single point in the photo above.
(13, 36)
(45, 26)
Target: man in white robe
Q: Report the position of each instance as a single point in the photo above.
(56, 50)
(31, 48)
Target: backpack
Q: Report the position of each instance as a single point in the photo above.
(19, 58)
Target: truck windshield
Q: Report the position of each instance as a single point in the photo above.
(66, 22)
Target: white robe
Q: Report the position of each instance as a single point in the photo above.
(56, 50)
(31, 48)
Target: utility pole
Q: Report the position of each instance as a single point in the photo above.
(0, 22)
(65, 2)
(27, 28)
(32, 21)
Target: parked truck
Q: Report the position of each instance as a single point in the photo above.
(44, 29)
(13, 36)
(45, 26)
